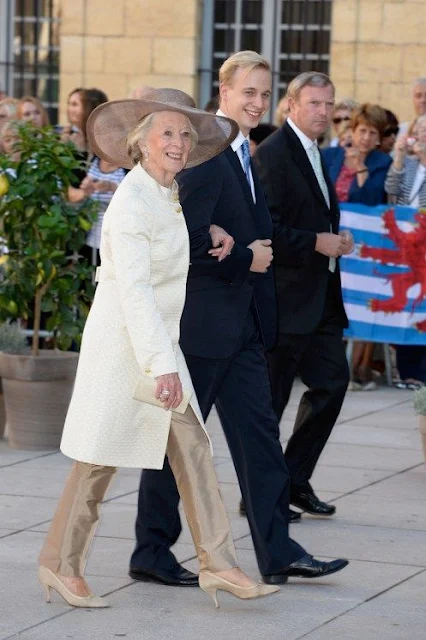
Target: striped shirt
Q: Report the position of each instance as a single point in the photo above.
(103, 198)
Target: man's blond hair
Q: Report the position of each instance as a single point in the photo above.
(247, 60)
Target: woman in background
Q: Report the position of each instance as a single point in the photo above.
(30, 109)
(358, 173)
(406, 186)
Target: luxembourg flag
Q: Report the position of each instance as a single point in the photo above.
(384, 279)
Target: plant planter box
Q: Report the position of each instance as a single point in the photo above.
(37, 392)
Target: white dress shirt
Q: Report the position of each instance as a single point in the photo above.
(307, 144)
(236, 146)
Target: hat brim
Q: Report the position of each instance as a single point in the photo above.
(111, 122)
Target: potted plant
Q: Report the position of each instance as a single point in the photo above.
(42, 273)
(12, 340)
(420, 408)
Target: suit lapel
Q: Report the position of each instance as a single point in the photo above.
(239, 171)
(258, 209)
(263, 217)
(301, 159)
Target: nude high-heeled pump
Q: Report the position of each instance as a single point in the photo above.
(212, 583)
(49, 580)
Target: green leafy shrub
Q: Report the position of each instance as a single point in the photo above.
(420, 401)
(42, 234)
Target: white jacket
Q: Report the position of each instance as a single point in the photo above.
(132, 328)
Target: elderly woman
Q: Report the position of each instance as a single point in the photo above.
(7, 109)
(9, 137)
(406, 185)
(131, 350)
(342, 113)
(358, 172)
(7, 113)
(406, 180)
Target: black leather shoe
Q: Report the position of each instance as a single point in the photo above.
(309, 502)
(242, 509)
(306, 567)
(294, 515)
(177, 576)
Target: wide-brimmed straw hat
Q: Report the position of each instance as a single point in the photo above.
(110, 123)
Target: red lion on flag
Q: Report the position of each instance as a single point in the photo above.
(410, 252)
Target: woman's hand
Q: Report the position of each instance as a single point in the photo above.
(401, 145)
(419, 149)
(169, 390)
(222, 242)
(87, 186)
(105, 186)
(354, 159)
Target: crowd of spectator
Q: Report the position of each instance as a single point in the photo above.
(371, 158)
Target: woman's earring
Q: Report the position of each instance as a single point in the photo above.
(145, 153)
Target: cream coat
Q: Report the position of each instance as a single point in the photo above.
(132, 328)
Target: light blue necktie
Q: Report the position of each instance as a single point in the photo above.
(246, 159)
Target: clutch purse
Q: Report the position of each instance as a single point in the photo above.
(145, 392)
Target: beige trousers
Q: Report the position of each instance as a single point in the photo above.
(73, 526)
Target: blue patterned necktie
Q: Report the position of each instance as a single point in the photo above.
(246, 160)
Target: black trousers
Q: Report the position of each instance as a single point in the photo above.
(320, 360)
(239, 387)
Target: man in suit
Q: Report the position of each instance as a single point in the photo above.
(229, 317)
(307, 245)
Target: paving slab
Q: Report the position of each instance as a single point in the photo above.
(149, 612)
(363, 508)
(369, 457)
(410, 485)
(376, 436)
(395, 614)
(371, 469)
(345, 478)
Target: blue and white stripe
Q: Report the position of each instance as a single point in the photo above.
(365, 278)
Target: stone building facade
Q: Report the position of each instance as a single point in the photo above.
(373, 49)
(118, 45)
(378, 48)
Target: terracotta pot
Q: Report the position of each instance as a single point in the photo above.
(37, 392)
(422, 429)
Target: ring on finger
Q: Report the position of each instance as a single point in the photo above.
(164, 392)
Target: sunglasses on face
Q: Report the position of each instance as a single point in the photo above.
(391, 131)
(338, 120)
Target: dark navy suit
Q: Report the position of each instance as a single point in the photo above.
(229, 318)
(311, 312)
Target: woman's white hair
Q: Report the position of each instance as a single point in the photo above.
(140, 134)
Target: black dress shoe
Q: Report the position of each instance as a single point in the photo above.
(242, 509)
(306, 567)
(176, 576)
(309, 502)
(294, 515)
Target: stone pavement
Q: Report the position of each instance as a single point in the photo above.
(372, 469)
